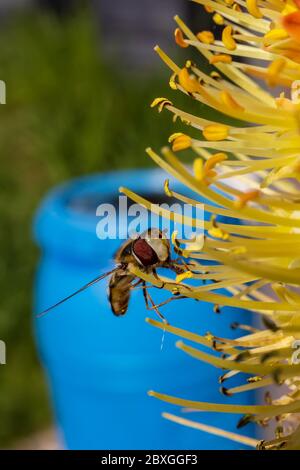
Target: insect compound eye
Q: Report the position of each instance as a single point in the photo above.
(144, 253)
(159, 243)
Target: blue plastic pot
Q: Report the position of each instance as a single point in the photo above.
(100, 367)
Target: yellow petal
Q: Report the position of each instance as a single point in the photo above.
(291, 24)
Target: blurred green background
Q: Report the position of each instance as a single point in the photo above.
(67, 114)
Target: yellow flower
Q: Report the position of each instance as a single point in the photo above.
(256, 260)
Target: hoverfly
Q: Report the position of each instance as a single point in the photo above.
(151, 250)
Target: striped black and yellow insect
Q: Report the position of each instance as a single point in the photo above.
(150, 251)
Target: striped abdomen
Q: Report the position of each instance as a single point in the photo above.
(119, 291)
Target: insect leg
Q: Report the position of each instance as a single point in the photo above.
(148, 298)
(137, 283)
(157, 277)
(162, 304)
(145, 294)
(163, 283)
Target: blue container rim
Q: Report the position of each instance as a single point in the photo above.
(59, 228)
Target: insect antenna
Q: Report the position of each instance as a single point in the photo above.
(86, 286)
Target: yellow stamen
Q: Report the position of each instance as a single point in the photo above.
(172, 81)
(188, 82)
(185, 275)
(161, 103)
(208, 9)
(215, 74)
(224, 58)
(167, 190)
(202, 174)
(253, 8)
(218, 19)
(276, 34)
(216, 132)
(179, 39)
(227, 99)
(217, 232)
(248, 441)
(205, 340)
(181, 142)
(263, 73)
(284, 103)
(214, 160)
(174, 136)
(227, 38)
(206, 37)
(246, 197)
(209, 175)
(288, 8)
(238, 250)
(236, 7)
(274, 69)
(198, 169)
